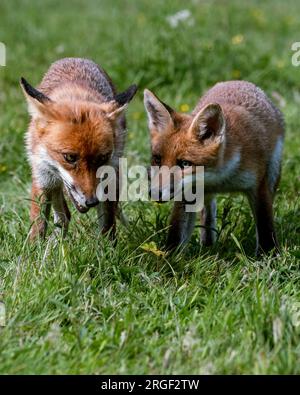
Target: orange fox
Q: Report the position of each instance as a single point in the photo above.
(237, 134)
(77, 125)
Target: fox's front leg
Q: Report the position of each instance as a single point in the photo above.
(181, 226)
(261, 203)
(208, 221)
(62, 213)
(107, 212)
(39, 211)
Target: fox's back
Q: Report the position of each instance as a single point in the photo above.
(248, 98)
(81, 71)
(254, 129)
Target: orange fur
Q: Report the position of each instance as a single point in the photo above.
(77, 125)
(236, 133)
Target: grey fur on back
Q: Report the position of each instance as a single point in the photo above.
(246, 95)
(78, 70)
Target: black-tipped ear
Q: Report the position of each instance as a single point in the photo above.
(126, 96)
(32, 92)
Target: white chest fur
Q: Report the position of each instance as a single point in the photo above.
(229, 177)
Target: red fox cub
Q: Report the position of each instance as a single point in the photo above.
(77, 125)
(237, 134)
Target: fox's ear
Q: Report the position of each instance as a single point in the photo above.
(120, 102)
(126, 96)
(159, 114)
(37, 101)
(209, 124)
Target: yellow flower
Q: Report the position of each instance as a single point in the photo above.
(290, 20)
(238, 39)
(258, 15)
(151, 247)
(3, 168)
(280, 64)
(184, 108)
(141, 19)
(236, 73)
(136, 115)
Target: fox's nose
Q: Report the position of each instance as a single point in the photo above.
(92, 202)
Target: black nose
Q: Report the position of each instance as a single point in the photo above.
(91, 202)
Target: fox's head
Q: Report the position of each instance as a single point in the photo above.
(183, 140)
(71, 139)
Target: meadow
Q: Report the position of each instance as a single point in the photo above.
(83, 306)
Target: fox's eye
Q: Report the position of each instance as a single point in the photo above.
(71, 158)
(156, 160)
(100, 160)
(183, 163)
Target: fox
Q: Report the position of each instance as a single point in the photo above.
(237, 134)
(77, 125)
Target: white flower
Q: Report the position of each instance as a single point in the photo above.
(180, 16)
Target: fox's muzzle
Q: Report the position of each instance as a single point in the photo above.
(92, 202)
(81, 202)
(161, 180)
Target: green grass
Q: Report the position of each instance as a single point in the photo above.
(82, 306)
